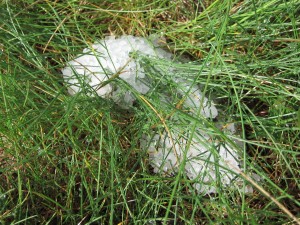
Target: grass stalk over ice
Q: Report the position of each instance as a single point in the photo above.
(71, 160)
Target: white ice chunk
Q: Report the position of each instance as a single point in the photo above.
(206, 162)
(106, 58)
(115, 57)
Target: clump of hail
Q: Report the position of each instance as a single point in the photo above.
(110, 58)
(205, 160)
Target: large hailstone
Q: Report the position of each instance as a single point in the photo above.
(207, 161)
(109, 58)
(113, 57)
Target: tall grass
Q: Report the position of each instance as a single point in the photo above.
(77, 160)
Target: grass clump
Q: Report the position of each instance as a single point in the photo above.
(73, 159)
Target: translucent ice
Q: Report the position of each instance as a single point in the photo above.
(206, 161)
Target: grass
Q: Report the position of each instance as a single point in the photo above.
(76, 160)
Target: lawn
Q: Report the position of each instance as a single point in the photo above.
(78, 160)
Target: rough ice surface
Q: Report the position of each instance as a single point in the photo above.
(112, 57)
(108, 58)
(195, 99)
(207, 162)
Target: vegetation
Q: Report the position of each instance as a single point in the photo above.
(76, 160)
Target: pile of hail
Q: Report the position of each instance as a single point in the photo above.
(206, 160)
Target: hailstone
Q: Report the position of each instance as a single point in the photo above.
(93, 73)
